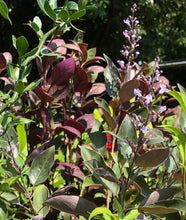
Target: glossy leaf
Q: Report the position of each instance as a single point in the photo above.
(4, 11)
(131, 215)
(127, 90)
(71, 204)
(152, 158)
(32, 85)
(165, 207)
(111, 76)
(39, 196)
(41, 166)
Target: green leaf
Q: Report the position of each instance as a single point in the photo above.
(181, 98)
(22, 138)
(53, 4)
(21, 45)
(97, 137)
(165, 207)
(39, 196)
(157, 136)
(19, 87)
(77, 15)
(111, 76)
(82, 4)
(102, 210)
(4, 11)
(106, 112)
(178, 135)
(13, 72)
(47, 9)
(72, 6)
(152, 158)
(10, 197)
(38, 22)
(126, 131)
(32, 85)
(131, 215)
(18, 121)
(41, 166)
(64, 15)
(3, 211)
(71, 204)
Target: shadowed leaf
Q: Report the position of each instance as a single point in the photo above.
(165, 207)
(152, 158)
(159, 195)
(127, 90)
(71, 204)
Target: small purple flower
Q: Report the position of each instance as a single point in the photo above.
(126, 53)
(163, 88)
(137, 92)
(162, 109)
(148, 99)
(137, 53)
(127, 21)
(121, 63)
(125, 33)
(144, 129)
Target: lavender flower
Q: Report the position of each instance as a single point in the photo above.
(127, 22)
(137, 92)
(125, 33)
(148, 99)
(163, 89)
(121, 63)
(144, 129)
(162, 109)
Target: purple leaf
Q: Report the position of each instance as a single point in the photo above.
(63, 71)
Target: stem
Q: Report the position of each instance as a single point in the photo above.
(40, 45)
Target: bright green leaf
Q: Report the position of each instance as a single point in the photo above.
(102, 210)
(22, 137)
(4, 11)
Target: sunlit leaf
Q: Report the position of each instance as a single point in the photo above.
(4, 11)
(39, 196)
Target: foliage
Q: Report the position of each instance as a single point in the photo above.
(66, 150)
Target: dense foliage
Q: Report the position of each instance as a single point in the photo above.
(74, 147)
